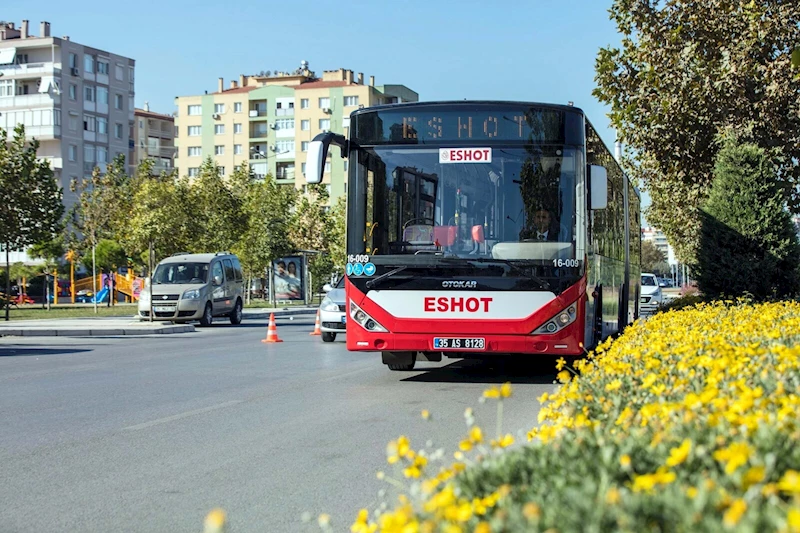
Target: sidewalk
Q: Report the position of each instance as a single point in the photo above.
(104, 326)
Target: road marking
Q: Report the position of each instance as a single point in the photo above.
(181, 415)
(346, 374)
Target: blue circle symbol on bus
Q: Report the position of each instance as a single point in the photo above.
(369, 269)
(349, 269)
(358, 269)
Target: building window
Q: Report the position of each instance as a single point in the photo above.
(305, 125)
(219, 129)
(130, 74)
(346, 122)
(73, 91)
(304, 103)
(221, 171)
(327, 167)
(102, 125)
(237, 128)
(73, 60)
(346, 166)
(237, 149)
(102, 67)
(304, 146)
(88, 123)
(284, 124)
(195, 151)
(141, 124)
(118, 101)
(88, 63)
(325, 124)
(73, 152)
(193, 172)
(219, 149)
(219, 108)
(324, 103)
(73, 123)
(102, 95)
(237, 107)
(118, 130)
(102, 154)
(195, 110)
(88, 93)
(350, 101)
(283, 147)
(303, 168)
(119, 73)
(88, 153)
(194, 131)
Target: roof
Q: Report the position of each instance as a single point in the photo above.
(142, 113)
(245, 89)
(195, 258)
(325, 84)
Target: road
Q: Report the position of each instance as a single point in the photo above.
(149, 434)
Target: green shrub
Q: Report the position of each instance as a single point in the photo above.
(748, 243)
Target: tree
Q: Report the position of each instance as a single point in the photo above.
(686, 71)
(110, 255)
(267, 209)
(310, 229)
(221, 220)
(651, 256)
(748, 243)
(30, 198)
(336, 234)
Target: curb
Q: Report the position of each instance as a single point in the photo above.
(95, 332)
(288, 312)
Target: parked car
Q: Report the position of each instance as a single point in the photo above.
(333, 311)
(651, 295)
(189, 287)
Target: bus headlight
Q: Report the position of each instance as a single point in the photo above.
(365, 321)
(558, 322)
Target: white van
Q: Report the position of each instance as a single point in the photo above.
(187, 287)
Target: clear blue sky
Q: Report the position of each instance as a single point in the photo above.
(536, 50)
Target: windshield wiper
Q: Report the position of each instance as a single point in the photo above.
(371, 283)
(505, 262)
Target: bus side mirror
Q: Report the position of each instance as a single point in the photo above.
(318, 153)
(598, 186)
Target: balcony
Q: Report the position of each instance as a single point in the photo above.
(161, 151)
(30, 100)
(31, 69)
(284, 112)
(259, 133)
(43, 133)
(158, 168)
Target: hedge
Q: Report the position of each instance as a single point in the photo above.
(689, 421)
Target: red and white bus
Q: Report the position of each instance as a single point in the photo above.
(483, 229)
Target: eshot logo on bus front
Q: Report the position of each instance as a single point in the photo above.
(465, 155)
(456, 304)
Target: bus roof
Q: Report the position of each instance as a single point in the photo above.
(405, 105)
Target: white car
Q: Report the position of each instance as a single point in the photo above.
(651, 295)
(333, 312)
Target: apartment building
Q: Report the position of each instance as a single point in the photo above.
(75, 99)
(153, 138)
(268, 119)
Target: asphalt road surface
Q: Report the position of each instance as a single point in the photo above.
(149, 434)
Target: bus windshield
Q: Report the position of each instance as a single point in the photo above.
(514, 203)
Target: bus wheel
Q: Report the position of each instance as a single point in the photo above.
(401, 361)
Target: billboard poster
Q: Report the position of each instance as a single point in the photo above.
(287, 277)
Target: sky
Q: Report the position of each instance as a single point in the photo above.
(529, 50)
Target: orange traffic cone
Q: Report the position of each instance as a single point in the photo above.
(272, 330)
(316, 331)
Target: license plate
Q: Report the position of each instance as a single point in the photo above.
(344, 319)
(161, 309)
(459, 343)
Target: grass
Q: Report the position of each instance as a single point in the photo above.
(34, 312)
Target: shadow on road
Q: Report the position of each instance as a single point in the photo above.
(540, 372)
(26, 352)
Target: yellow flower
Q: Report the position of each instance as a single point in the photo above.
(691, 492)
(753, 476)
(531, 511)
(505, 390)
(734, 456)
(561, 363)
(492, 392)
(649, 380)
(425, 414)
(793, 520)
(476, 435)
(483, 527)
(362, 525)
(563, 376)
(625, 461)
(647, 482)
(324, 520)
(504, 442)
(612, 496)
(734, 513)
(614, 385)
(678, 455)
(543, 398)
(790, 482)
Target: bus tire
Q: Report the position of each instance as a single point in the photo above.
(399, 361)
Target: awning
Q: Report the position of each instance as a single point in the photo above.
(46, 83)
(7, 55)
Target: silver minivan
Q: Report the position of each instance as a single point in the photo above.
(187, 287)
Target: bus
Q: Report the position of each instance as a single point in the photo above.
(482, 229)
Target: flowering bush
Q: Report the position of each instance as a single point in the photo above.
(688, 422)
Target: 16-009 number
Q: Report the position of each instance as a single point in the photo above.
(566, 263)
